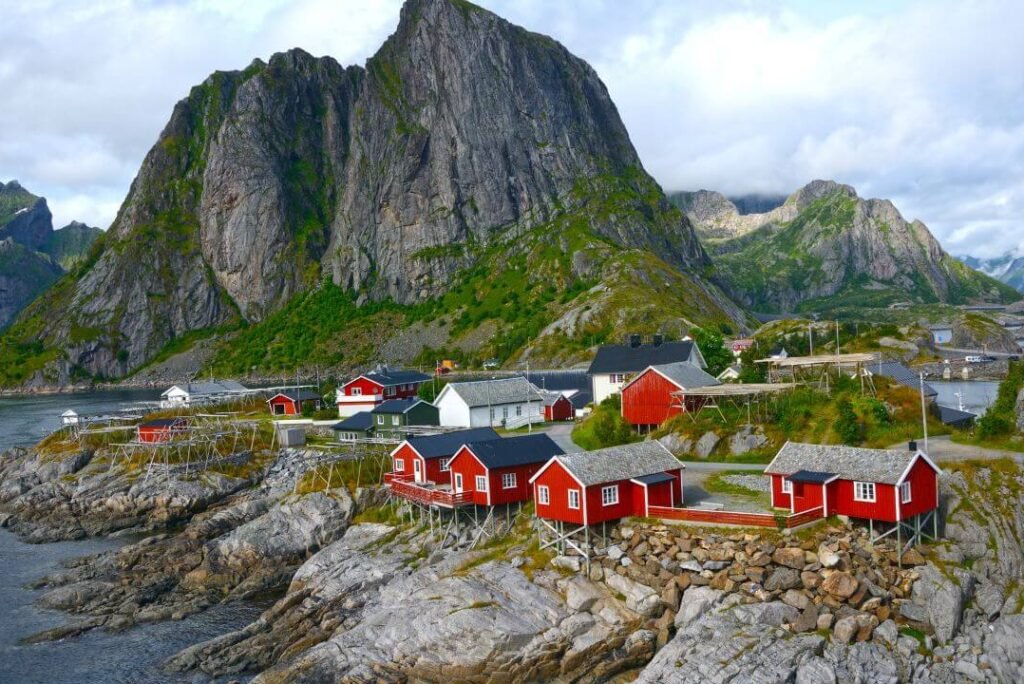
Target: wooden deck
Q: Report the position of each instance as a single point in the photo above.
(426, 493)
(737, 518)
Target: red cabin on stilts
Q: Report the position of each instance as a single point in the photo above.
(659, 392)
(498, 471)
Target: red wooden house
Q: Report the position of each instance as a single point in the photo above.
(292, 402)
(888, 485)
(498, 471)
(557, 407)
(592, 487)
(426, 459)
(161, 429)
(368, 390)
(659, 392)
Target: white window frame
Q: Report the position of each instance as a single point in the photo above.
(610, 495)
(481, 483)
(458, 483)
(504, 412)
(380, 420)
(573, 499)
(865, 491)
(356, 391)
(787, 486)
(446, 464)
(399, 465)
(519, 409)
(508, 480)
(394, 420)
(906, 495)
(543, 495)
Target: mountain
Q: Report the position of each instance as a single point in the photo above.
(826, 248)
(718, 216)
(1008, 268)
(468, 156)
(32, 255)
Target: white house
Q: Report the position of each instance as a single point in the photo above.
(614, 365)
(202, 393)
(486, 403)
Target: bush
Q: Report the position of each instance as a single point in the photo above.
(848, 426)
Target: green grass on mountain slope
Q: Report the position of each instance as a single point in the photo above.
(774, 260)
(12, 200)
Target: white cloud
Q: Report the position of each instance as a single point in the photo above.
(921, 102)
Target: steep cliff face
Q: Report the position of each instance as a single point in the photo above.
(826, 242)
(462, 132)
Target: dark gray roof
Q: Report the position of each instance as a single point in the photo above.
(849, 463)
(625, 462)
(396, 405)
(903, 375)
(623, 358)
(298, 394)
(515, 451)
(655, 478)
(686, 375)
(560, 380)
(490, 392)
(810, 477)
(581, 399)
(956, 417)
(357, 422)
(389, 377)
(550, 398)
(446, 444)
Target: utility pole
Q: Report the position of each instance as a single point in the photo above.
(810, 336)
(924, 414)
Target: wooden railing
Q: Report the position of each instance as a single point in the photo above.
(735, 517)
(426, 495)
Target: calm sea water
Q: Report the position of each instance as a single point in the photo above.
(131, 657)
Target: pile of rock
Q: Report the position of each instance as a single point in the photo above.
(834, 579)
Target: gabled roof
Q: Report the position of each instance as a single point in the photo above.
(625, 462)
(952, 416)
(357, 422)
(581, 399)
(297, 394)
(682, 374)
(446, 444)
(515, 451)
(624, 358)
(396, 405)
(903, 375)
(389, 377)
(549, 398)
(490, 392)
(210, 387)
(885, 466)
(162, 423)
(560, 380)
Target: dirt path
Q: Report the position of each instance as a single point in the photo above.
(944, 449)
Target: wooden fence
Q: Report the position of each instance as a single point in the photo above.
(426, 496)
(738, 518)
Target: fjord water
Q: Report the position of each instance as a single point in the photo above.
(133, 656)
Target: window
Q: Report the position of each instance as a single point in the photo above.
(446, 464)
(574, 499)
(481, 483)
(394, 420)
(508, 481)
(905, 492)
(519, 409)
(492, 414)
(504, 412)
(610, 495)
(543, 495)
(399, 465)
(380, 420)
(356, 391)
(388, 391)
(863, 491)
(458, 482)
(787, 486)
(618, 378)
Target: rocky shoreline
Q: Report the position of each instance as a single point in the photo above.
(366, 594)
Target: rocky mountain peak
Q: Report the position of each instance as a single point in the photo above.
(818, 189)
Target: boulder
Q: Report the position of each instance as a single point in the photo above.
(781, 579)
(706, 444)
(943, 598)
(581, 594)
(695, 602)
(816, 670)
(639, 598)
(845, 629)
(790, 557)
(827, 557)
(841, 585)
(797, 599)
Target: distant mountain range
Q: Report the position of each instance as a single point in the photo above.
(1008, 268)
(824, 248)
(32, 254)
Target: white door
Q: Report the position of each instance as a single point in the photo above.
(417, 470)
(458, 483)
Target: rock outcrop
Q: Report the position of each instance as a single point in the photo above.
(826, 242)
(462, 131)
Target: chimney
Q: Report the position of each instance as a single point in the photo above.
(657, 340)
(912, 446)
(634, 341)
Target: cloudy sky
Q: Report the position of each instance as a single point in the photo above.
(920, 102)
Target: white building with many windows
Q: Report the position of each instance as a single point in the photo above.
(508, 401)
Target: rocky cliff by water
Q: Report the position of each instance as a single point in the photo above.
(825, 247)
(462, 133)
